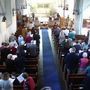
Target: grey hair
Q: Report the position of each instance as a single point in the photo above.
(9, 56)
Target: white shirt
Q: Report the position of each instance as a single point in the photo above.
(66, 31)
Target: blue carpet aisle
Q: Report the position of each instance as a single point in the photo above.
(50, 75)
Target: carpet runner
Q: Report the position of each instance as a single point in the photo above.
(50, 74)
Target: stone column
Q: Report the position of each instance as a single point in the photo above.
(78, 12)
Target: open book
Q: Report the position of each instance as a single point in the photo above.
(20, 78)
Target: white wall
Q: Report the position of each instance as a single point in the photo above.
(86, 3)
(8, 27)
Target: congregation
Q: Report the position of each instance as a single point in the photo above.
(74, 55)
(74, 50)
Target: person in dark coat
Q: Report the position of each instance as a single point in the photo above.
(36, 37)
(71, 61)
(4, 52)
(32, 50)
(19, 63)
(77, 47)
(21, 50)
(10, 63)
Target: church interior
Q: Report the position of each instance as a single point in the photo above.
(44, 45)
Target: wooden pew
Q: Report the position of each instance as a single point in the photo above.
(31, 66)
(75, 79)
(32, 58)
(31, 61)
(80, 37)
(2, 68)
(32, 70)
(77, 87)
(18, 87)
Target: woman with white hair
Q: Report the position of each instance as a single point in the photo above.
(83, 62)
(10, 63)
